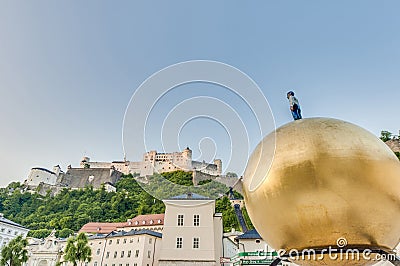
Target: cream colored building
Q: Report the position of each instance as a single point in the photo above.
(192, 232)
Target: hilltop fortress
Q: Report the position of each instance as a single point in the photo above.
(154, 162)
(97, 174)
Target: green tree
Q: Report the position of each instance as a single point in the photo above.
(224, 206)
(231, 174)
(14, 253)
(64, 233)
(78, 250)
(397, 154)
(39, 233)
(386, 135)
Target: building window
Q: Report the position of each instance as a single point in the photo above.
(136, 253)
(98, 252)
(125, 241)
(179, 242)
(180, 220)
(95, 263)
(110, 242)
(258, 241)
(135, 264)
(122, 254)
(148, 254)
(196, 242)
(115, 254)
(108, 254)
(117, 241)
(129, 253)
(150, 240)
(196, 220)
(131, 240)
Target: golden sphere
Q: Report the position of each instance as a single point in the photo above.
(314, 181)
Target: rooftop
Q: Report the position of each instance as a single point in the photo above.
(6, 221)
(146, 219)
(134, 232)
(138, 221)
(100, 228)
(189, 196)
(251, 234)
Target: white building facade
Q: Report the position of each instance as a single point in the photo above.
(10, 230)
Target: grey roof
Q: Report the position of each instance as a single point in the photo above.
(134, 232)
(6, 221)
(190, 196)
(97, 236)
(251, 234)
(43, 169)
(79, 177)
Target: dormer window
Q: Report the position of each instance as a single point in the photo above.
(136, 223)
(144, 222)
(151, 221)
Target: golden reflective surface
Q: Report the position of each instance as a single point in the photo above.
(329, 179)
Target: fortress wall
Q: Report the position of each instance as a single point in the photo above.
(37, 176)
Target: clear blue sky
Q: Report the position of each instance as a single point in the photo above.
(69, 68)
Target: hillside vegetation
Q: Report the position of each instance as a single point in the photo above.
(68, 211)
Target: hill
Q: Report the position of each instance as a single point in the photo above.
(69, 210)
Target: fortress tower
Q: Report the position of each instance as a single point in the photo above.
(218, 163)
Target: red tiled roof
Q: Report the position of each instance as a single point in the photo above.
(101, 228)
(140, 220)
(147, 219)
